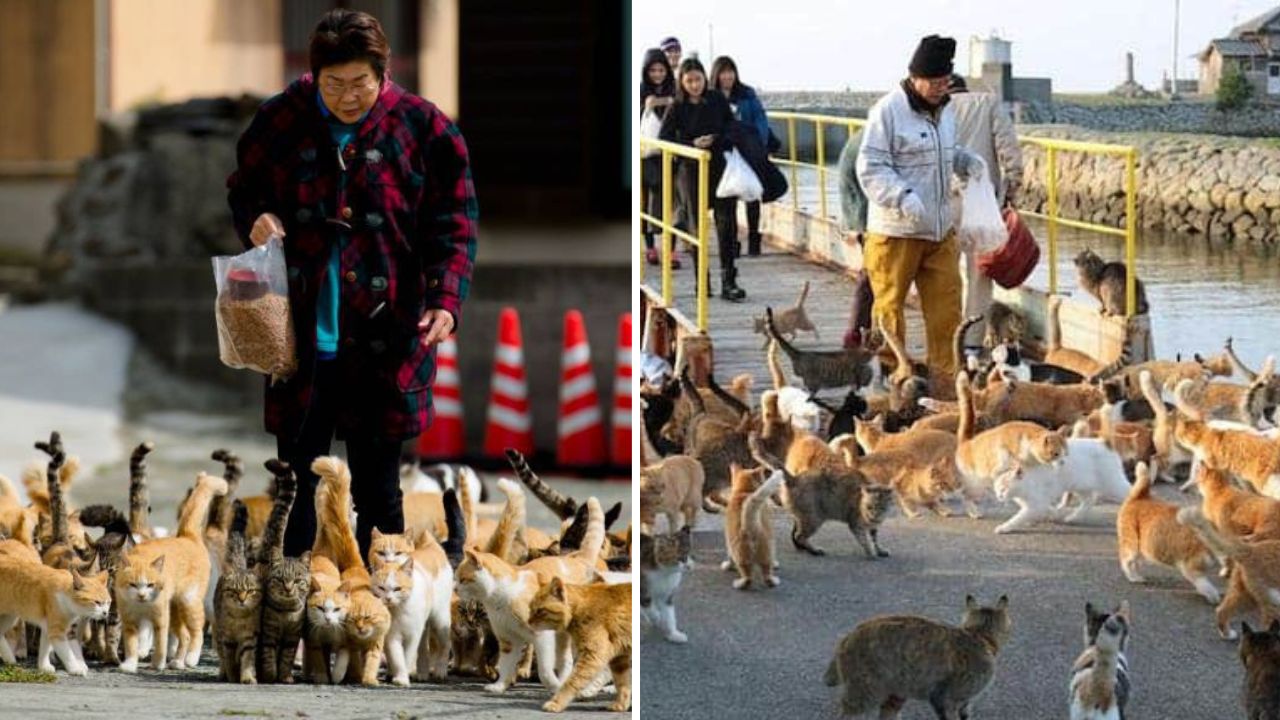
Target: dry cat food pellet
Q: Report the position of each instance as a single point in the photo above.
(258, 334)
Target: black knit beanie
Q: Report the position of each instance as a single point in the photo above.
(933, 57)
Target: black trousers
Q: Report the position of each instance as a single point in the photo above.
(724, 209)
(374, 463)
(753, 218)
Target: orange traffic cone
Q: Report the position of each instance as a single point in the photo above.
(445, 439)
(581, 430)
(621, 450)
(509, 424)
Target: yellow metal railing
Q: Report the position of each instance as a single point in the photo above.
(1051, 146)
(669, 151)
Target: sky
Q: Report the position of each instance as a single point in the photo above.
(866, 45)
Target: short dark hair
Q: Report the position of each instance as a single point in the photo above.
(689, 64)
(344, 36)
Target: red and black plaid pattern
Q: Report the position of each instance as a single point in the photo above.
(407, 218)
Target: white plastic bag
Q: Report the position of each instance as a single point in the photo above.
(650, 126)
(739, 180)
(982, 229)
(255, 327)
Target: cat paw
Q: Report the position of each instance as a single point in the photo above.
(741, 584)
(619, 706)
(47, 668)
(677, 637)
(401, 680)
(251, 680)
(129, 666)
(552, 706)
(496, 688)
(773, 581)
(881, 552)
(177, 664)
(80, 670)
(1229, 633)
(815, 551)
(726, 565)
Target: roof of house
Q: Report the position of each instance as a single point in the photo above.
(1256, 24)
(1229, 47)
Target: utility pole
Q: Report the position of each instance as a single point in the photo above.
(1173, 83)
(711, 41)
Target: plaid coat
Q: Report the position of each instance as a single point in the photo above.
(409, 212)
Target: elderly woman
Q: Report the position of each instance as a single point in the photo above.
(370, 189)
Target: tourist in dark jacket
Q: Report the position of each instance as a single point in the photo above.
(701, 119)
(748, 110)
(657, 92)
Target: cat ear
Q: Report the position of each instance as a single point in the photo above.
(77, 582)
(407, 564)
(1003, 602)
(557, 588)
(1089, 612)
(158, 564)
(315, 584)
(970, 603)
(471, 556)
(305, 558)
(376, 533)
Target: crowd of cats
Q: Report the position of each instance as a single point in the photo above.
(1053, 436)
(455, 594)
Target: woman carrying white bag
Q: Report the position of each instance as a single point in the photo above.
(701, 119)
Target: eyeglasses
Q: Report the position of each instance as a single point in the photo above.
(339, 90)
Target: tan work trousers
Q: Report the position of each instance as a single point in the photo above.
(893, 264)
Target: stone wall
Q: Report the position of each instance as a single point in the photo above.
(1225, 188)
(1177, 117)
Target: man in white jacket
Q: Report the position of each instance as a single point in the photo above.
(983, 126)
(905, 164)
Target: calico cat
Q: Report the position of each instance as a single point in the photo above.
(412, 575)
(826, 368)
(665, 556)
(888, 660)
(53, 600)
(367, 621)
(671, 487)
(748, 530)
(1106, 282)
(1243, 453)
(831, 493)
(1260, 655)
(1099, 687)
(237, 603)
(597, 619)
(1148, 529)
(1255, 573)
(1011, 365)
(161, 585)
(980, 457)
(285, 584)
(506, 590)
(789, 321)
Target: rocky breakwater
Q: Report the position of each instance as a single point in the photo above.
(1226, 189)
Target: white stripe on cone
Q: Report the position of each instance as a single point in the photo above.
(447, 407)
(509, 387)
(509, 419)
(622, 386)
(509, 355)
(624, 358)
(577, 387)
(621, 418)
(447, 377)
(448, 349)
(579, 421)
(579, 354)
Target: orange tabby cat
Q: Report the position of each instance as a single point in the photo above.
(1255, 571)
(506, 590)
(672, 486)
(597, 619)
(920, 476)
(980, 457)
(51, 599)
(327, 606)
(1236, 511)
(1168, 451)
(748, 531)
(1249, 456)
(368, 620)
(1148, 529)
(161, 584)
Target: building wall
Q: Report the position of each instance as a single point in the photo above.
(207, 48)
(46, 48)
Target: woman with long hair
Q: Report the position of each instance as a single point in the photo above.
(657, 92)
(748, 110)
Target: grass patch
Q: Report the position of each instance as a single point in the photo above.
(19, 674)
(228, 712)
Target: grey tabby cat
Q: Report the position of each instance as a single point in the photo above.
(843, 495)
(139, 497)
(237, 602)
(665, 556)
(286, 582)
(116, 538)
(821, 369)
(1106, 282)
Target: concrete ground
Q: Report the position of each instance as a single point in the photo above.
(762, 653)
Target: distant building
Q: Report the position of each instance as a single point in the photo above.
(991, 69)
(1253, 48)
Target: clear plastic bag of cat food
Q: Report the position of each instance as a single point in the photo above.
(255, 327)
(738, 179)
(982, 228)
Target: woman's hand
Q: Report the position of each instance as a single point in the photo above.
(704, 141)
(435, 325)
(264, 227)
(653, 101)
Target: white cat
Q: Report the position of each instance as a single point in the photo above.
(1090, 470)
(796, 408)
(440, 477)
(418, 590)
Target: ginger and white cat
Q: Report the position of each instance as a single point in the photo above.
(54, 601)
(597, 620)
(1255, 571)
(1148, 529)
(1090, 471)
(748, 532)
(160, 586)
(1243, 453)
(414, 579)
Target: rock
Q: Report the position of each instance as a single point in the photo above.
(1233, 200)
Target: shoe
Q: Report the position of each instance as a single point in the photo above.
(753, 244)
(675, 263)
(651, 256)
(729, 286)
